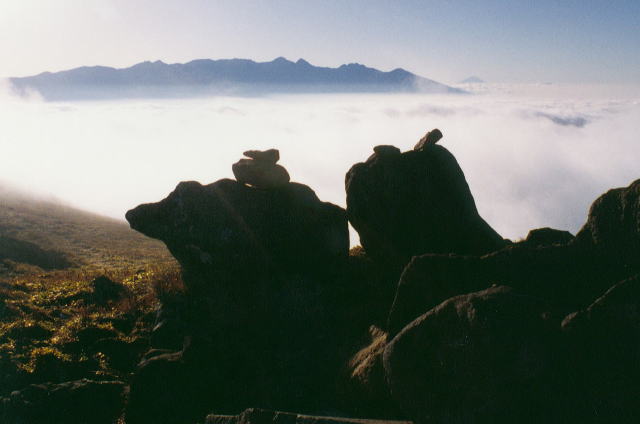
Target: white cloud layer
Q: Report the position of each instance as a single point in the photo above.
(533, 155)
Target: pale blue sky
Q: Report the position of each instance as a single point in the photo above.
(498, 40)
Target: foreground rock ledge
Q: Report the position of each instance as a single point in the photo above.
(264, 416)
(276, 310)
(482, 357)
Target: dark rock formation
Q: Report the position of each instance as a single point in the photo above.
(429, 280)
(122, 355)
(597, 360)
(90, 334)
(264, 271)
(262, 416)
(366, 387)
(105, 290)
(414, 203)
(74, 402)
(170, 324)
(261, 170)
(568, 273)
(613, 227)
(481, 357)
(548, 236)
(260, 175)
(166, 389)
(385, 150)
(566, 277)
(271, 156)
(603, 344)
(430, 138)
(227, 231)
(276, 312)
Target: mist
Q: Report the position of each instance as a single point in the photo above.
(533, 155)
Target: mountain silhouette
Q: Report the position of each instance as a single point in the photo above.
(204, 77)
(472, 80)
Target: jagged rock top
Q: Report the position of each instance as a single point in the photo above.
(416, 202)
(429, 139)
(271, 156)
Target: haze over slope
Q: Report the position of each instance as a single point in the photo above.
(226, 76)
(46, 235)
(534, 155)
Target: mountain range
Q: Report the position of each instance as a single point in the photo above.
(472, 80)
(205, 77)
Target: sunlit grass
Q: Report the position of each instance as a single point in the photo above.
(44, 317)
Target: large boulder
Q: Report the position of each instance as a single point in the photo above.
(264, 269)
(429, 280)
(600, 348)
(166, 389)
(568, 272)
(603, 344)
(566, 277)
(73, 402)
(230, 231)
(613, 227)
(548, 236)
(483, 357)
(416, 202)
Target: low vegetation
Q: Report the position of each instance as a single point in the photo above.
(78, 323)
(39, 235)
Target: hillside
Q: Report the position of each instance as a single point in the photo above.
(226, 76)
(39, 235)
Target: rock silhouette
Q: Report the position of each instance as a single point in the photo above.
(230, 231)
(429, 280)
(481, 357)
(263, 268)
(416, 202)
(613, 227)
(548, 236)
(261, 170)
(74, 402)
(430, 138)
(550, 264)
(437, 318)
(257, 416)
(603, 349)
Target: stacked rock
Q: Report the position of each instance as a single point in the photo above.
(429, 139)
(260, 170)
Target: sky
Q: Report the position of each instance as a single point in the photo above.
(569, 41)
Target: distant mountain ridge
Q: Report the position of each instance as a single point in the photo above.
(203, 77)
(472, 80)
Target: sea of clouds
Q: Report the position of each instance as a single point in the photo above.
(533, 155)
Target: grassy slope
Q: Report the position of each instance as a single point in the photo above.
(54, 325)
(36, 234)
